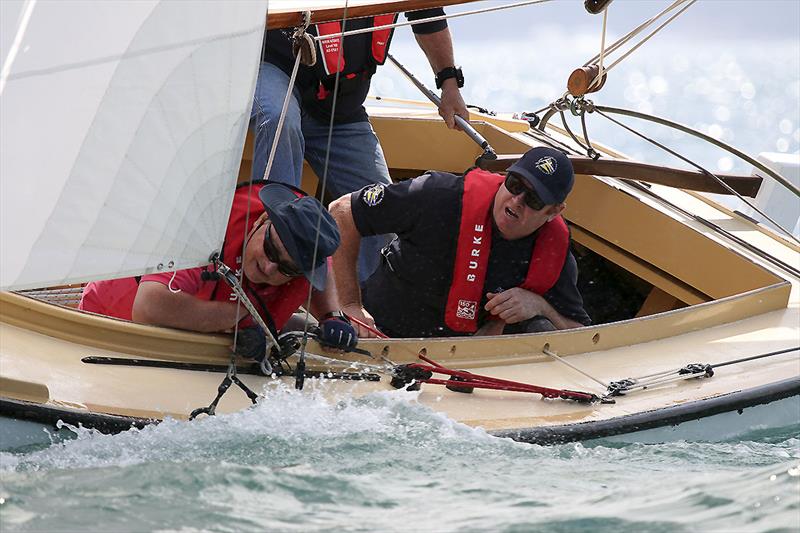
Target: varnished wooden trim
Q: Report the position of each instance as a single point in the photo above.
(661, 175)
(295, 18)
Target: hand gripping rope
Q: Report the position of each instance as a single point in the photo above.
(412, 375)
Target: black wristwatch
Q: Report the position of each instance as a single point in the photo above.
(447, 73)
(337, 315)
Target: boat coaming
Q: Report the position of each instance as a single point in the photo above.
(728, 301)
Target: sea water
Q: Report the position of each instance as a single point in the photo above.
(298, 462)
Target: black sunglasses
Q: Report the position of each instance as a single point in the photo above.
(516, 185)
(290, 271)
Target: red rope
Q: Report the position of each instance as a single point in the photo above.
(468, 379)
(358, 322)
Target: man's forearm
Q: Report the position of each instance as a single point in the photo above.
(345, 259)
(324, 302)
(557, 319)
(438, 48)
(155, 304)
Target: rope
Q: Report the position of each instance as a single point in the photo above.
(683, 373)
(286, 99)
(426, 20)
(602, 71)
(573, 367)
(634, 32)
(754, 357)
(301, 364)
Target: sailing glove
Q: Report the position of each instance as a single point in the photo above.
(251, 343)
(337, 332)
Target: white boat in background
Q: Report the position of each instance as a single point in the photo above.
(130, 168)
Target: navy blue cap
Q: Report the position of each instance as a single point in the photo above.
(295, 218)
(549, 171)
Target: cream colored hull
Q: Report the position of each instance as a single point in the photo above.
(739, 285)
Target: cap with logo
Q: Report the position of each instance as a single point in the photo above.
(295, 217)
(549, 172)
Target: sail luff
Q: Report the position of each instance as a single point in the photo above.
(121, 133)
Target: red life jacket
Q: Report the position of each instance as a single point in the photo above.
(329, 48)
(475, 242)
(275, 302)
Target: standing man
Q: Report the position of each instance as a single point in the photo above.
(474, 254)
(355, 157)
(279, 229)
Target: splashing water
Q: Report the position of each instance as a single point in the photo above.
(384, 462)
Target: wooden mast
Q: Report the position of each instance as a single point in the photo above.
(278, 18)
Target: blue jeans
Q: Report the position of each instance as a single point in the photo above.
(356, 158)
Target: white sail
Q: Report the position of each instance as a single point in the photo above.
(122, 126)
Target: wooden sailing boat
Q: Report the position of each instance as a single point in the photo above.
(143, 152)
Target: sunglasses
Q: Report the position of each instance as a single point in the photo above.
(516, 185)
(271, 251)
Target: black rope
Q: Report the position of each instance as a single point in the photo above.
(566, 128)
(590, 151)
(252, 369)
(754, 357)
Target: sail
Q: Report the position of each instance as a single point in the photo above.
(122, 126)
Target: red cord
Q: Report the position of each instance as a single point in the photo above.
(358, 322)
(468, 379)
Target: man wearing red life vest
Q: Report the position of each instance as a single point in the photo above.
(331, 94)
(276, 226)
(474, 254)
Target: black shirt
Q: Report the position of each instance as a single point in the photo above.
(358, 52)
(407, 294)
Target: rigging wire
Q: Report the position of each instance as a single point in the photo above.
(701, 169)
(563, 361)
(300, 366)
(691, 371)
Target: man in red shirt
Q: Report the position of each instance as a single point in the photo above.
(279, 237)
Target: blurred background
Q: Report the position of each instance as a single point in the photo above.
(730, 68)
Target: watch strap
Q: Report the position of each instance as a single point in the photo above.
(339, 315)
(447, 73)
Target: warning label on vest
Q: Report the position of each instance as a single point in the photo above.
(467, 309)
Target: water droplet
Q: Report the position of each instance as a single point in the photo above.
(785, 126)
(794, 471)
(782, 144)
(757, 505)
(773, 477)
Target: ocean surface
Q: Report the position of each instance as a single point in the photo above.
(297, 462)
(384, 463)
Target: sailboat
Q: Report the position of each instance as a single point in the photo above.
(121, 159)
